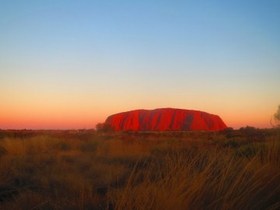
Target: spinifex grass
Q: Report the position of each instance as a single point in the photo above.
(140, 171)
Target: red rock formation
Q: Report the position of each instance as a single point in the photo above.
(166, 119)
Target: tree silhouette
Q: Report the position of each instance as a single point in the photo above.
(103, 127)
(277, 117)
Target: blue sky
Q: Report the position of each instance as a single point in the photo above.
(109, 56)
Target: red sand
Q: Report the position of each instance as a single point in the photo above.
(165, 119)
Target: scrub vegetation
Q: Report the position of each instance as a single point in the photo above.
(87, 169)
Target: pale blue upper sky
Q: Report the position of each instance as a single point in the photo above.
(217, 56)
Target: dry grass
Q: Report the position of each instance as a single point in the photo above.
(233, 170)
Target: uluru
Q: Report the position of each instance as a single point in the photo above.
(165, 119)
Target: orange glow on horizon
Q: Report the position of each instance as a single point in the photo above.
(60, 120)
(80, 111)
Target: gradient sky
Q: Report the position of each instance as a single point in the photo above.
(70, 64)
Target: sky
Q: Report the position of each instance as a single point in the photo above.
(68, 64)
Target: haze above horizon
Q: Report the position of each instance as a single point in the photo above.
(70, 64)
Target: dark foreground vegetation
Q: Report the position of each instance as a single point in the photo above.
(170, 170)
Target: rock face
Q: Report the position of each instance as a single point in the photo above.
(165, 119)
